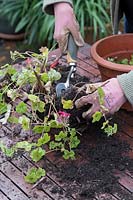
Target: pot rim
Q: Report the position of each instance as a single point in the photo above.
(107, 64)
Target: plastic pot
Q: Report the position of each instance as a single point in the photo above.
(8, 32)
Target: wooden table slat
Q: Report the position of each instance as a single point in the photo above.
(12, 185)
(105, 197)
(125, 180)
(3, 197)
(11, 190)
(17, 177)
(48, 185)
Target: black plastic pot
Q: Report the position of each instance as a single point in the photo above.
(8, 32)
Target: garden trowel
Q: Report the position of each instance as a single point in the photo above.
(72, 61)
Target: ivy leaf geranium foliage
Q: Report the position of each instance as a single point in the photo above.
(107, 127)
(27, 99)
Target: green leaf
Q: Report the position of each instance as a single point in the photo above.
(124, 61)
(9, 152)
(69, 154)
(52, 145)
(131, 62)
(54, 124)
(25, 77)
(1, 97)
(61, 136)
(41, 106)
(11, 70)
(56, 145)
(110, 130)
(24, 145)
(3, 108)
(41, 129)
(7, 70)
(14, 77)
(13, 94)
(74, 142)
(72, 132)
(46, 128)
(54, 75)
(38, 129)
(33, 98)
(96, 116)
(22, 23)
(67, 104)
(43, 140)
(13, 120)
(44, 77)
(37, 154)
(21, 108)
(34, 175)
(25, 122)
(6, 115)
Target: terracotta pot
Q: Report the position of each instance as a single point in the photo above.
(120, 46)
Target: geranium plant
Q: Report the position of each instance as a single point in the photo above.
(124, 61)
(28, 99)
(107, 127)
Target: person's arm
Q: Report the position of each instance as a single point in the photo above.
(48, 5)
(114, 98)
(65, 23)
(116, 92)
(126, 83)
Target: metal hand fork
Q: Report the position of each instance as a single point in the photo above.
(72, 54)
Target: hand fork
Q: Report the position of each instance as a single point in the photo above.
(71, 59)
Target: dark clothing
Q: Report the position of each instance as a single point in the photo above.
(118, 8)
(127, 8)
(128, 26)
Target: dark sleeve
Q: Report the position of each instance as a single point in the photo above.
(126, 82)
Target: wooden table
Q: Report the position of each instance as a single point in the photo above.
(12, 184)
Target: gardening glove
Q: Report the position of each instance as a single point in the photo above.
(65, 23)
(113, 98)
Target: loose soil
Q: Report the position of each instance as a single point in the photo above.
(100, 157)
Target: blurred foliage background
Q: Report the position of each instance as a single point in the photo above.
(27, 16)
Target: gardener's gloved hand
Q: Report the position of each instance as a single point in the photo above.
(65, 23)
(113, 98)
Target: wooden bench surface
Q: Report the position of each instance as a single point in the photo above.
(12, 184)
